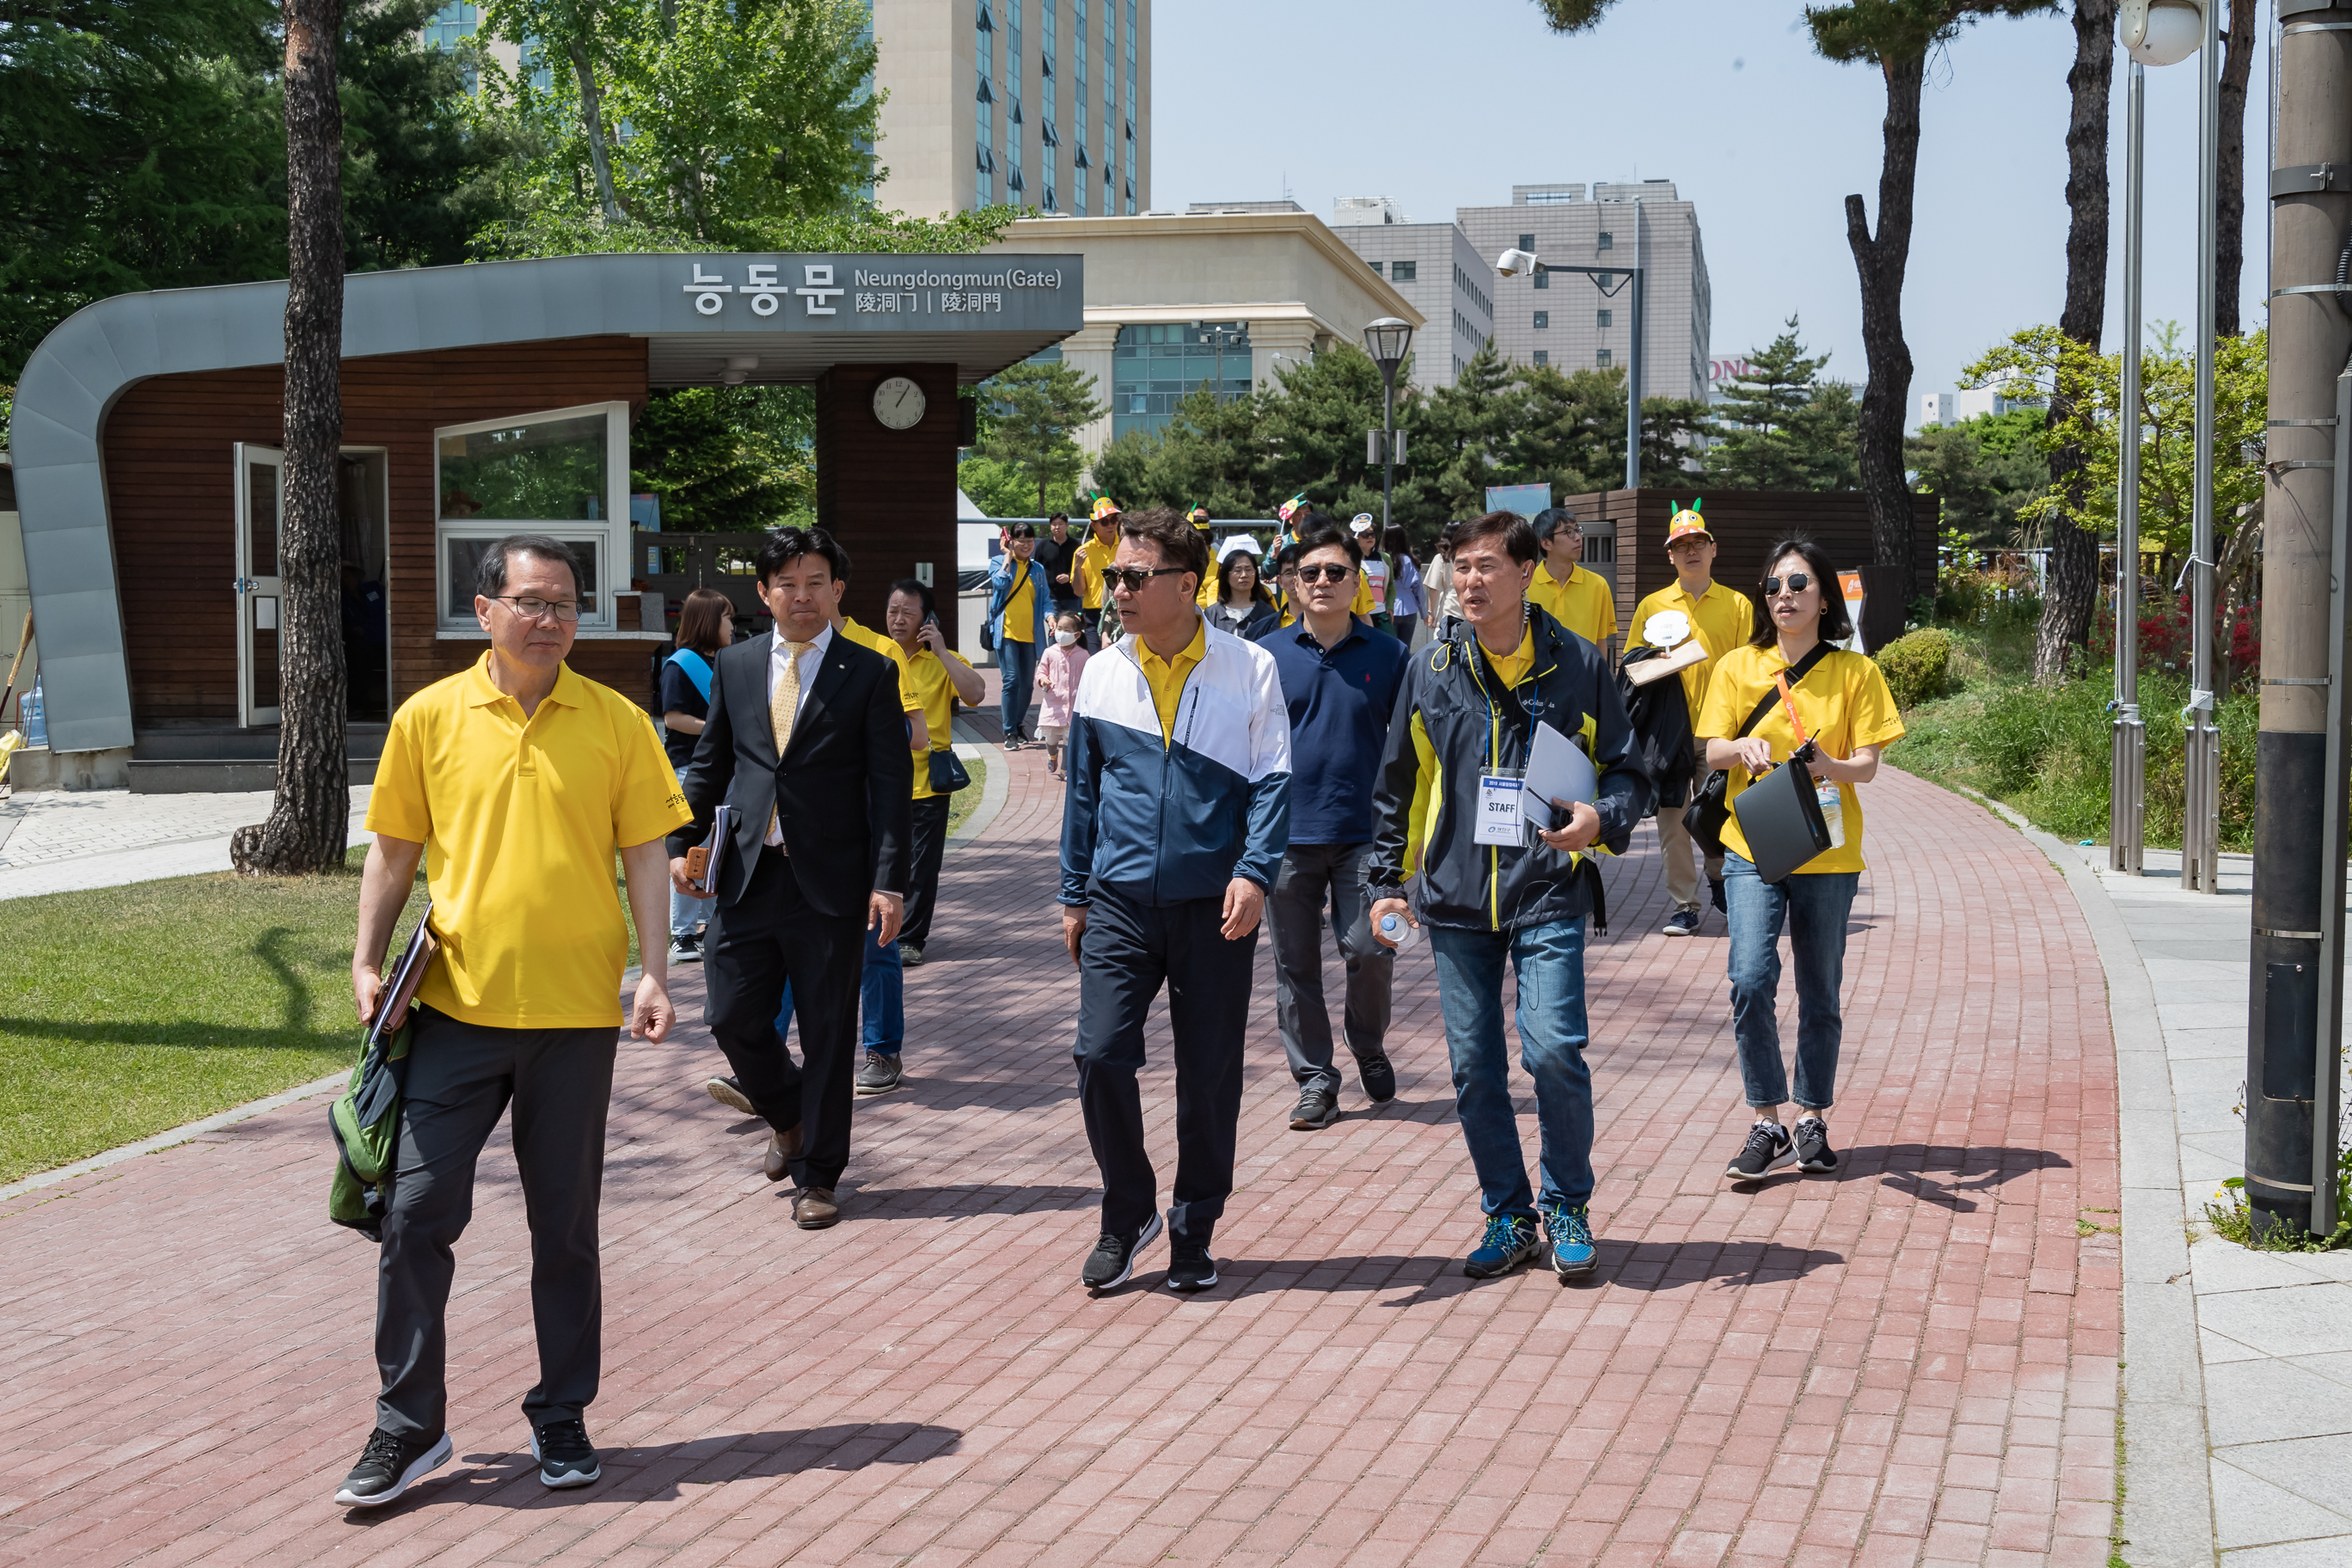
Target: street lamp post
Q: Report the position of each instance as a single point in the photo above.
(1387, 341)
(2128, 777)
(1513, 262)
(2201, 828)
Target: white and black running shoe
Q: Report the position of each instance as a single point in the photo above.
(1814, 1151)
(1112, 1261)
(566, 1457)
(1190, 1266)
(1767, 1149)
(390, 1465)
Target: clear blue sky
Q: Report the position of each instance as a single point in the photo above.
(1452, 104)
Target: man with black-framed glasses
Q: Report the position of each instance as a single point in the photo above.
(516, 781)
(1173, 825)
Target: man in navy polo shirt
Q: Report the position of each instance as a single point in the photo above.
(1340, 680)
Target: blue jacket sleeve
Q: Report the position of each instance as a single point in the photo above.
(1082, 766)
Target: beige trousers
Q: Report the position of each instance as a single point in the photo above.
(1675, 844)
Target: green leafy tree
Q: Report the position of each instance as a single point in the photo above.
(1780, 427)
(421, 161)
(1034, 411)
(1985, 470)
(1570, 429)
(726, 458)
(998, 489)
(1460, 440)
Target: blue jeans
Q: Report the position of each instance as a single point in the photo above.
(1017, 661)
(684, 912)
(1549, 962)
(881, 998)
(1815, 906)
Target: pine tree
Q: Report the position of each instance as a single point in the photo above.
(1759, 415)
(1034, 411)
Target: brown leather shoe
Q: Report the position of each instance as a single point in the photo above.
(813, 1208)
(782, 1149)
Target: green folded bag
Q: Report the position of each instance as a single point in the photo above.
(365, 1121)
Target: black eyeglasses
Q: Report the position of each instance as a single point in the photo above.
(539, 609)
(1797, 583)
(1133, 578)
(1327, 572)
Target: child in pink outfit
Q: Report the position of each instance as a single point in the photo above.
(1058, 668)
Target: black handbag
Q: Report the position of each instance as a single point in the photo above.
(1703, 818)
(948, 774)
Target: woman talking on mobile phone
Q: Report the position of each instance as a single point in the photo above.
(1833, 706)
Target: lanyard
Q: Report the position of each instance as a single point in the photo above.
(1789, 702)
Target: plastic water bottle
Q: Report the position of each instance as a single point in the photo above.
(1832, 810)
(1396, 928)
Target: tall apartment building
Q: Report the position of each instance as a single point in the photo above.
(1435, 266)
(1036, 103)
(1572, 322)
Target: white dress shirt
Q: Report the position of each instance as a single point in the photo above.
(812, 656)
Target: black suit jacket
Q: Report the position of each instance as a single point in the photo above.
(842, 790)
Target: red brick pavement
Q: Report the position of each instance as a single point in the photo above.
(1914, 1363)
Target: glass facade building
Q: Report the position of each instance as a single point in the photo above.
(1155, 367)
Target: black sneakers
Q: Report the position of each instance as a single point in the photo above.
(1681, 922)
(1316, 1110)
(566, 1457)
(729, 1093)
(1190, 1266)
(1112, 1261)
(910, 953)
(390, 1465)
(1379, 1074)
(686, 949)
(1814, 1151)
(879, 1073)
(1767, 1150)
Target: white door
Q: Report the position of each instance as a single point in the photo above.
(260, 522)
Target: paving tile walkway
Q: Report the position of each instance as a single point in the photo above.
(1914, 1363)
(57, 841)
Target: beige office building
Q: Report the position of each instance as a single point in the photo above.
(1034, 103)
(1572, 321)
(1218, 294)
(1435, 266)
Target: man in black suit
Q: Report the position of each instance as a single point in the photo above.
(819, 861)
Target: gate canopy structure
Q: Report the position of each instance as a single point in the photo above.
(143, 425)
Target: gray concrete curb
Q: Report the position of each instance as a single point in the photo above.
(993, 789)
(2167, 1477)
(176, 1135)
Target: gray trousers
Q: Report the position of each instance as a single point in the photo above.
(1314, 879)
(461, 1078)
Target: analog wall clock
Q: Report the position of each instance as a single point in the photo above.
(899, 403)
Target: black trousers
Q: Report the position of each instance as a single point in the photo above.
(766, 938)
(461, 1078)
(1129, 949)
(931, 848)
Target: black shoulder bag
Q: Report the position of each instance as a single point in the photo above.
(1703, 818)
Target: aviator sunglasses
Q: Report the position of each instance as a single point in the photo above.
(1795, 581)
(1324, 572)
(1133, 578)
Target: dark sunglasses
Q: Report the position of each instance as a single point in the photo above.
(1326, 572)
(1797, 583)
(1133, 578)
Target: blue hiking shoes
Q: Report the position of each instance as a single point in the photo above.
(1571, 1229)
(1509, 1241)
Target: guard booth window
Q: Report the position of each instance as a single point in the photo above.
(562, 472)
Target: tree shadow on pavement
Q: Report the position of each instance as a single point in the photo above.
(1945, 1175)
(652, 1472)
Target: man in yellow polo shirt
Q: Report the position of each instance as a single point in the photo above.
(1722, 619)
(516, 781)
(1094, 559)
(940, 677)
(1579, 600)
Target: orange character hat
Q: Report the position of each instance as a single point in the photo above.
(1104, 507)
(1685, 523)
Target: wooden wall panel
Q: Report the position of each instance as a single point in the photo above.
(888, 496)
(167, 449)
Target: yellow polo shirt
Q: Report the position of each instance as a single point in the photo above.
(1512, 668)
(928, 674)
(1722, 618)
(1020, 614)
(1844, 703)
(1585, 604)
(1166, 677)
(520, 819)
(1094, 559)
(910, 702)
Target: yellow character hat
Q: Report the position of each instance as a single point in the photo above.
(1686, 523)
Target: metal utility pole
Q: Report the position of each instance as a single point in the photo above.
(1633, 371)
(2294, 1028)
(2201, 832)
(2128, 779)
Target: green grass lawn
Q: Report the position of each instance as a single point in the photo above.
(128, 1010)
(964, 802)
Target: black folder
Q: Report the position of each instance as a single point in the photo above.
(1781, 817)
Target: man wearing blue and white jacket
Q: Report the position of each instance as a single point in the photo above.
(1177, 816)
(1018, 597)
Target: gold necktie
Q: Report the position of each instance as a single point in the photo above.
(785, 705)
